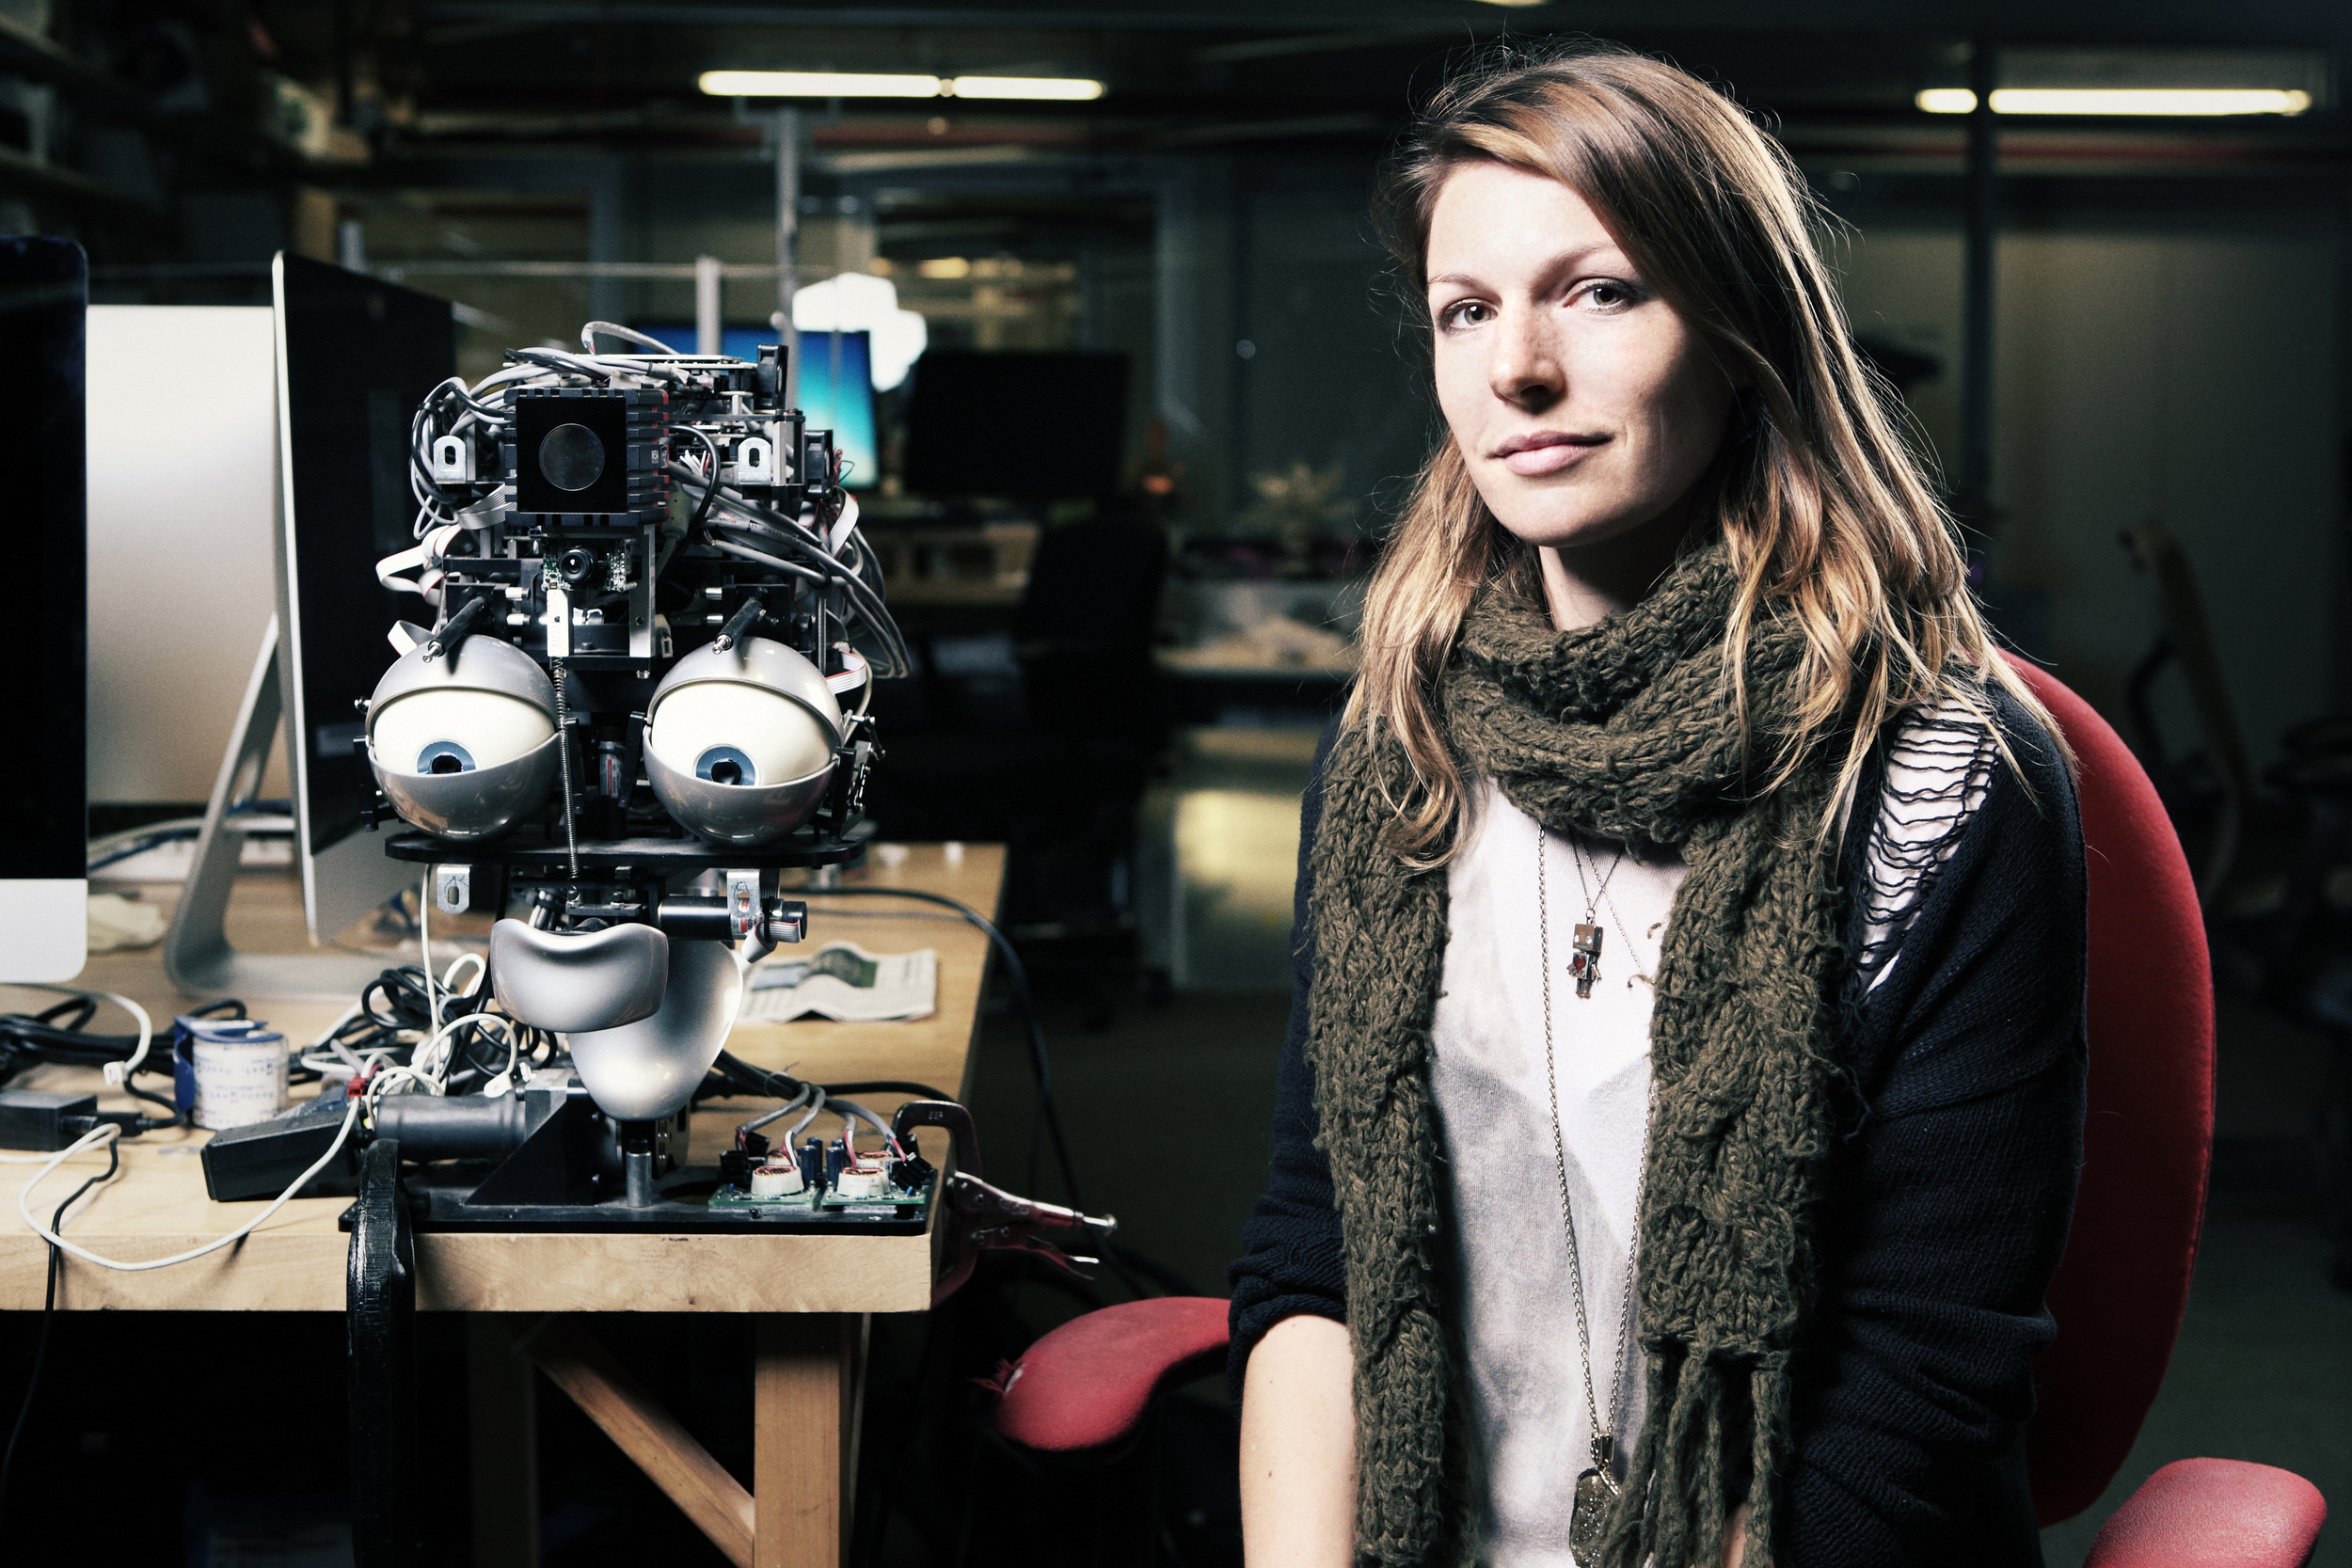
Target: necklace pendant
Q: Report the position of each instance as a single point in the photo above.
(1597, 1493)
(1584, 961)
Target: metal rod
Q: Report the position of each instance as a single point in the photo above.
(707, 314)
(1974, 498)
(787, 270)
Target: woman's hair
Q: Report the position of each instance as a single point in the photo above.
(1823, 506)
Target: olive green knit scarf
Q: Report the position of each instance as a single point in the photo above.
(1623, 731)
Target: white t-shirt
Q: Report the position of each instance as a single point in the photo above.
(1527, 1398)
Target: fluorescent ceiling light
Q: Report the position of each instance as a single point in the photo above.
(842, 84)
(2120, 100)
(1068, 88)
(816, 84)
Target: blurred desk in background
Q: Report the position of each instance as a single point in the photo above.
(930, 563)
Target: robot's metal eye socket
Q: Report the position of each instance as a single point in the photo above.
(740, 741)
(725, 764)
(445, 756)
(571, 457)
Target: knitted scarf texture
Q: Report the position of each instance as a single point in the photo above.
(1623, 731)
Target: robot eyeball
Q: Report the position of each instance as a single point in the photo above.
(464, 744)
(740, 741)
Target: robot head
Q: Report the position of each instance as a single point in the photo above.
(740, 741)
(465, 743)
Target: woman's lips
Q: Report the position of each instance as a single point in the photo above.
(1534, 457)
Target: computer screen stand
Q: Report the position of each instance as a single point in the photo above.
(196, 951)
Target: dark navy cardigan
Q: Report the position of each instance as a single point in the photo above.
(1949, 1196)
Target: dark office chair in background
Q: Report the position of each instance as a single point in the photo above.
(2280, 926)
(1086, 1390)
(1062, 787)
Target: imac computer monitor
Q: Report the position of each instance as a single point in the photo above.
(171, 649)
(1017, 426)
(836, 386)
(45, 823)
(355, 358)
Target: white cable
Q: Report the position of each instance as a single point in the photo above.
(30, 1159)
(96, 1135)
(117, 1074)
(431, 1062)
(424, 948)
(627, 335)
(326, 1037)
(843, 525)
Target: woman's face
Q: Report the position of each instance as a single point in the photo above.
(1584, 407)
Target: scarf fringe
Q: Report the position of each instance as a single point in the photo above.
(1677, 1501)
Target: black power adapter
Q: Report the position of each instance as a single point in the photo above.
(37, 1119)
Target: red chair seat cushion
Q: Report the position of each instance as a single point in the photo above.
(1086, 1386)
(2214, 1514)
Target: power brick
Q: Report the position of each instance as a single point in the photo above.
(34, 1118)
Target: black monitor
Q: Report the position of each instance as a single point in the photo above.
(44, 826)
(1020, 426)
(356, 358)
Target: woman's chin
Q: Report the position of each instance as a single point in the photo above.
(1575, 530)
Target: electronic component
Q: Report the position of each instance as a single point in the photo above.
(854, 1182)
(35, 1118)
(777, 1179)
(590, 455)
(258, 1160)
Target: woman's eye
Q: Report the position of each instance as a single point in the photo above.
(1468, 312)
(1607, 294)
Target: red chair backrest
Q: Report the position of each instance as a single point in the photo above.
(2120, 1291)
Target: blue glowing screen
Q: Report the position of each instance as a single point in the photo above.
(837, 390)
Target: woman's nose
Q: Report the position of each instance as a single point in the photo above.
(1527, 371)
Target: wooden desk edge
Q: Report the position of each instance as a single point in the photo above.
(503, 1272)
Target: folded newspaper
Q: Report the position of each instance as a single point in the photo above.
(843, 981)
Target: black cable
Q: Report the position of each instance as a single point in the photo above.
(1017, 976)
(48, 1315)
(732, 1075)
(148, 1124)
(59, 1034)
(710, 491)
(888, 1086)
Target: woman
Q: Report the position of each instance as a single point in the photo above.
(1679, 1124)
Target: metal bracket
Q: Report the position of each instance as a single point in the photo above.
(453, 889)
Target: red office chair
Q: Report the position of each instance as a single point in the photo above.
(1085, 1388)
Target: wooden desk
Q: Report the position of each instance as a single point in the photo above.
(811, 1292)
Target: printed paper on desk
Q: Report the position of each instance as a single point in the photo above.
(845, 982)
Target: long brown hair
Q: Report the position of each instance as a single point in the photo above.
(1825, 510)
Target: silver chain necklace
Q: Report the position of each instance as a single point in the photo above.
(1597, 1487)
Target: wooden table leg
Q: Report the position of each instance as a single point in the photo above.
(806, 1393)
(502, 1406)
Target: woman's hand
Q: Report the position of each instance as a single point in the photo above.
(1736, 1538)
(1298, 1448)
